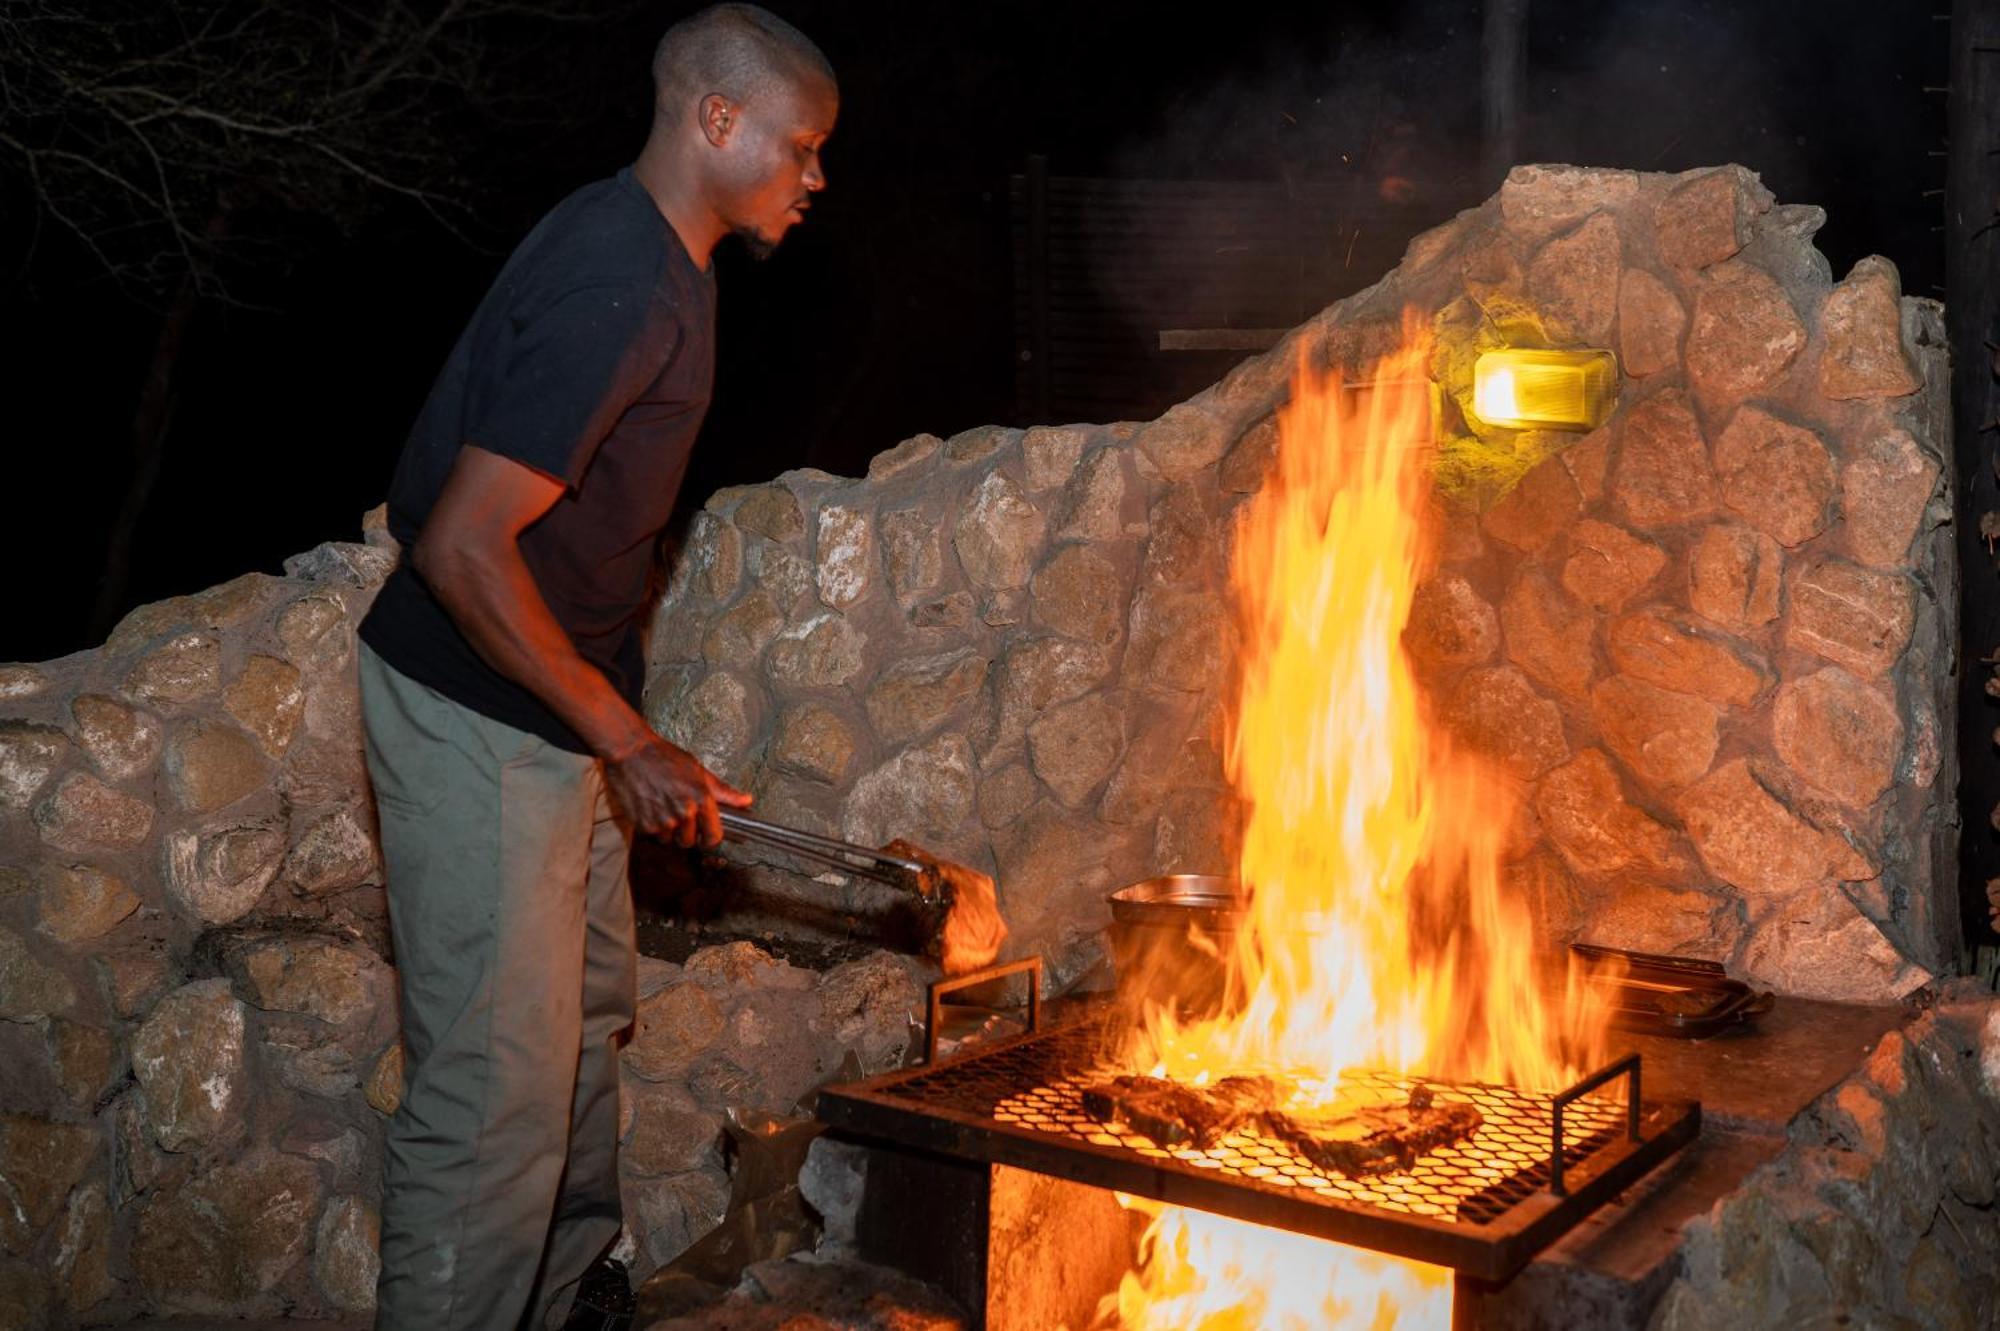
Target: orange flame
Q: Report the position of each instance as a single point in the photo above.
(1377, 933)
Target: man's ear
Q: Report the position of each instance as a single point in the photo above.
(718, 118)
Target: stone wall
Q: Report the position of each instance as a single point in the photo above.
(1711, 640)
(197, 1001)
(1881, 1210)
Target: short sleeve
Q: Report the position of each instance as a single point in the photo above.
(570, 370)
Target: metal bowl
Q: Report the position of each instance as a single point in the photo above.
(1209, 902)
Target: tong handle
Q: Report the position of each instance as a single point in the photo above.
(865, 861)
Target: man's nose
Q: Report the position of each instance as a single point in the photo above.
(815, 177)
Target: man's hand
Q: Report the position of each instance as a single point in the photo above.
(667, 793)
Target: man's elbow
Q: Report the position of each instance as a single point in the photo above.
(447, 562)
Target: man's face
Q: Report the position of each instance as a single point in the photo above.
(769, 167)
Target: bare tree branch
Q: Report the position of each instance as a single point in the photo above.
(130, 125)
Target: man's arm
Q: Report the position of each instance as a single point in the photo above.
(469, 555)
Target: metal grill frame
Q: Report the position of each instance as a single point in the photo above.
(881, 1108)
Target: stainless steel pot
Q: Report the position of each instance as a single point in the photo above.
(1169, 936)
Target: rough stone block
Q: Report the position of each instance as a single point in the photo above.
(1734, 575)
(79, 902)
(922, 792)
(347, 1254)
(336, 851)
(1497, 712)
(1583, 808)
(229, 1235)
(40, 1163)
(771, 511)
(825, 652)
(1039, 674)
(1548, 635)
(1075, 746)
(904, 457)
(1573, 282)
(1706, 220)
(1180, 640)
(1744, 336)
(914, 697)
(1663, 475)
(1608, 565)
(183, 670)
(814, 742)
(1664, 738)
(671, 1134)
(1530, 515)
(1863, 326)
(844, 555)
(1451, 624)
(212, 764)
(1855, 617)
(1538, 201)
(188, 1057)
(1648, 917)
(29, 756)
(1777, 476)
(1749, 839)
(82, 813)
(1884, 491)
(1183, 441)
(912, 552)
(218, 875)
(1092, 504)
(1819, 945)
(1080, 594)
(122, 742)
(673, 1026)
(997, 534)
(1839, 734)
(1049, 454)
(267, 700)
(1651, 320)
(739, 635)
(1673, 655)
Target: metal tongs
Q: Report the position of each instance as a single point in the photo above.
(861, 861)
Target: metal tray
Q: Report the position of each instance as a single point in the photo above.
(1678, 996)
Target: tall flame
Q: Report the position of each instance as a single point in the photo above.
(1377, 933)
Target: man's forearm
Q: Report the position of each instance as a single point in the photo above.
(489, 593)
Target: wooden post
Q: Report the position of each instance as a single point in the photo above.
(1040, 372)
(1502, 73)
(1972, 321)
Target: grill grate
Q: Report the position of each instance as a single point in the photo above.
(1474, 1181)
(1482, 1204)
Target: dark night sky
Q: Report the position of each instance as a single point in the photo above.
(890, 312)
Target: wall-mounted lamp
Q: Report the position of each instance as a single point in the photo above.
(1524, 389)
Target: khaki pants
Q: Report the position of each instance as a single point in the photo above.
(512, 923)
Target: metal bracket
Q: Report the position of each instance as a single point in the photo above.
(1627, 1066)
(934, 1007)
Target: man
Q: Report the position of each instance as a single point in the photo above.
(501, 668)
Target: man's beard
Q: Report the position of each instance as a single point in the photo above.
(759, 247)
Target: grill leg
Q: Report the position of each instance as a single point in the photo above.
(1467, 1299)
(926, 1216)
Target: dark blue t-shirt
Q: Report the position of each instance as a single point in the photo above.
(591, 360)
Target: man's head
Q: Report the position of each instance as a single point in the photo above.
(747, 101)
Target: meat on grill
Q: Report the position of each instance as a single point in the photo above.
(1354, 1141)
(1171, 1113)
(1373, 1141)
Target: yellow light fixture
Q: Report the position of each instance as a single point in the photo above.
(1524, 389)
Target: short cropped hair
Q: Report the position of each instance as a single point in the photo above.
(739, 51)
